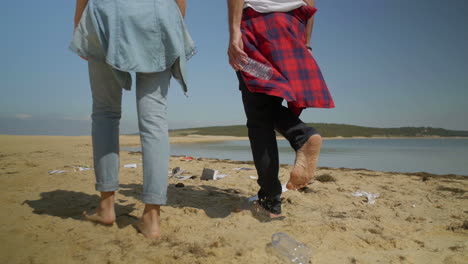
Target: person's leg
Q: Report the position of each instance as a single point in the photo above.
(107, 95)
(152, 89)
(260, 110)
(305, 141)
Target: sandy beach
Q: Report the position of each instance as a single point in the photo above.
(417, 218)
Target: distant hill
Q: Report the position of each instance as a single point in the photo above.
(332, 130)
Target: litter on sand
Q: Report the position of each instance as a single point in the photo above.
(57, 171)
(220, 176)
(130, 166)
(80, 168)
(187, 158)
(209, 174)
(242, 168)
(183, 178)
(370, 197)
(177, 171)
(253, 177)
(255, 198)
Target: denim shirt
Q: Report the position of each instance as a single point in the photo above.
(135, 36)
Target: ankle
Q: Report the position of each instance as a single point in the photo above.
(152, 211)
(107, 199)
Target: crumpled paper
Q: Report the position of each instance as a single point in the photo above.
(370, 197)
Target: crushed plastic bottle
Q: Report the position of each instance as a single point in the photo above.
(290, 249)
(257, 69)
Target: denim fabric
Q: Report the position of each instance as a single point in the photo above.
(151, 96)
(135, 36)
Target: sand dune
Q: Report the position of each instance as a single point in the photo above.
(418, 218)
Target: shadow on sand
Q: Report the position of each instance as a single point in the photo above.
(215, 202)
(70, 204)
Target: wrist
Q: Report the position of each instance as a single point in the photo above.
(235, 30)
(235, 34)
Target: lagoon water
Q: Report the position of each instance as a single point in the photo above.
(439, 156)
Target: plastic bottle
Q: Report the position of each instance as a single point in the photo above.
(290, 249)
(257, 69)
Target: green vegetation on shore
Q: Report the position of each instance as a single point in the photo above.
(332, 130)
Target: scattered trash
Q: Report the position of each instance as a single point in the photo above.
(187, 158)
(220, 176)
(180, 185)
(183, 178)
(130, 166)
(370, 197)
(176, 171)
(253, 177)
(289, 249)
(209, 174)
(242, 168)
(57, 171)
(80, 168)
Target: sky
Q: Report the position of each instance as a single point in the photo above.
(388, 63)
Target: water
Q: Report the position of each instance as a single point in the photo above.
(439, 156)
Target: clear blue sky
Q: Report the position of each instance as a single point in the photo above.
(387, 63)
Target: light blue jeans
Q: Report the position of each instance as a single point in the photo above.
(151, 95)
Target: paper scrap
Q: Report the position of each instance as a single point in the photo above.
(370, 197)
(57, 171)
(130, 166)
(209, 174)
(177, 171)
(220, 176)
(242, 168)
(183, 178)
(81, 168)
(253, 177)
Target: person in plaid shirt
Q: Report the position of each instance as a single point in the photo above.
(277, 33)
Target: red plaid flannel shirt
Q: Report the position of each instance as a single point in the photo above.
(278, 39)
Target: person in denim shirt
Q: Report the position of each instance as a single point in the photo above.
(117, 37)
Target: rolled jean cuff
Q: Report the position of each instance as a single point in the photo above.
(149, 198)
(107, 187)
(310, 131)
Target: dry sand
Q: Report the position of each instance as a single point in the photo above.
(417, 218)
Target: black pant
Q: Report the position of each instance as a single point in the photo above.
(265, 114)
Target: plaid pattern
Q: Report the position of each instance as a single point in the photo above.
(277, 39)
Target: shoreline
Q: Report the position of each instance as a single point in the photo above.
(195, 138)
(133, 141)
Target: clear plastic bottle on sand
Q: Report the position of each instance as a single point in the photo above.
(257, 69)
(290, 249)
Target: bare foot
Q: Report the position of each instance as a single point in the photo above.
(105, 214)
(149, 224)
(305, 164)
